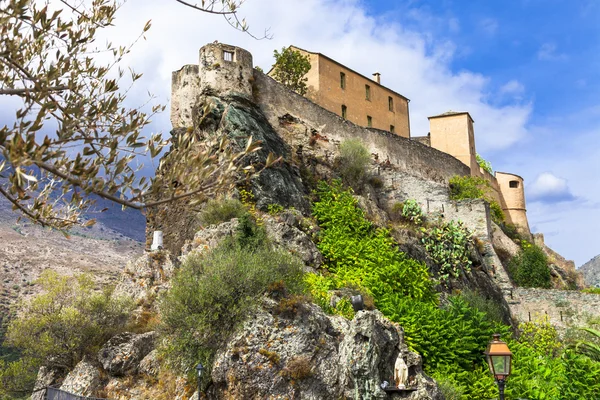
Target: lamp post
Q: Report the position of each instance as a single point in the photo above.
(499, 360)
(199, 369)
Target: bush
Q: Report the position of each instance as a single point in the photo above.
(211, 295)
(218, 211)
(474, 187)
(67, 321)
(448, 246)
(529, 268)
(361, 255)
(353, 162)
(485, 165)
(412, 212)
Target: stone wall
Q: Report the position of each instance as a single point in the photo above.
(564, 308)
(276, 101)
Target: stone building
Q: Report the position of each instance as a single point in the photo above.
(361, 100)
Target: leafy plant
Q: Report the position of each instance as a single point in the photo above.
(290, 68)
(448, 246)
(212, 295)
(411, 210)
(529, 268)
(353, 162)
(275, 209)
(485, 165)
(222, 210)
(474, 187)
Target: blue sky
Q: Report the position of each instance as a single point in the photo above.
(528, 71)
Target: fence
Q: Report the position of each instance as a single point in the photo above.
(57, 394)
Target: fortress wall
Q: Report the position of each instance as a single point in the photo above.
(275, 100)
(563, 308)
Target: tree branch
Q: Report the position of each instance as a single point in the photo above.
(206, 10)
(20, 91)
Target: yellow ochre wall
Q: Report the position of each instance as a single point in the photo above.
(454, 134)
(514, 198)
(325, 90)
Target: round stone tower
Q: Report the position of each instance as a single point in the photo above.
(226, 69)
(511, 188)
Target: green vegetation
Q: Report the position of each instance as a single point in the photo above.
(529, 268)
(412, 211)
(485, 165)
(221, 210)
(290, 68)
(353, 162)
(213, 294)
(448, 246)
(61, 325)
(473, 187)
(592, 290)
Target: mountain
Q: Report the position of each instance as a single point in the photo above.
(591, 271)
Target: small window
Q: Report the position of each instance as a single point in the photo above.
(390, 103)
(344, 111)
(369, 121)
(368, 92)
(227, 55)
(392, 128)
(513, 184)
(342, 80)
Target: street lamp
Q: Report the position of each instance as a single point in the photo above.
(499, 360)
(199, 369)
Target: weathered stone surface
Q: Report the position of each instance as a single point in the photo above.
(46, 377)
(591, 271)
(122, 354)
(83, 380)
(314, 356)
(283, 231)
(150, 365)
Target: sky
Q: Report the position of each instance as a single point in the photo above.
(528, 72)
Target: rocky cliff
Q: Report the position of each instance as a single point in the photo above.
(591, 271)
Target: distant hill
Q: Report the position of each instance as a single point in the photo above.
(591, 271)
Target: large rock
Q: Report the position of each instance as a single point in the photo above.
(122, 354)
(46, 377)
(83, 380)
(311, 355)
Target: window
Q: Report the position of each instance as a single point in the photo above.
(513, 184)
(392, 128)
(227, 55)
(391, 103)
(369, 121)
(368, 92)
(342, 80)
(344, 111)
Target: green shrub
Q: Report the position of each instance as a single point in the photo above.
(218, 211)
(456, 384)
(67, 321)
(448, 246)
(353, 162)
(290, 68)
(474, 187)
(529, 268)
(411, 210)
(490, 307)
(212, 295)
(361, 255)
(591, 290)
(485, 165)
(275, 209)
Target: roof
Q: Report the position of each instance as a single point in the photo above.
(351, 70)
(452, 113)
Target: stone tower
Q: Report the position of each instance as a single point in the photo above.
(511, 188)
(223, 69)
(452, 132)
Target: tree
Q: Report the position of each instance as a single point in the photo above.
(72, 133)
(290, 68)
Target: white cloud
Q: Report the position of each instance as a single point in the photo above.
(512, 87)
(547, 52)
(489, 26)
(411, 63)
(549, 188)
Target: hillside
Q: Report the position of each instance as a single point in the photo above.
(591, 271)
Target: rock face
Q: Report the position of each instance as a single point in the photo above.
(591, 271)
(83, 380)
(311, 355)
(122, 354)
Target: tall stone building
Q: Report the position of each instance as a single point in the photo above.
(361, 100)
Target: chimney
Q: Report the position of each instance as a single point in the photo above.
(377, 77)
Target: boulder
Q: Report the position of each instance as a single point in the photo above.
(150, 365)
(122, 354)
(46, 377)
(83, 380)
(311, 355)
